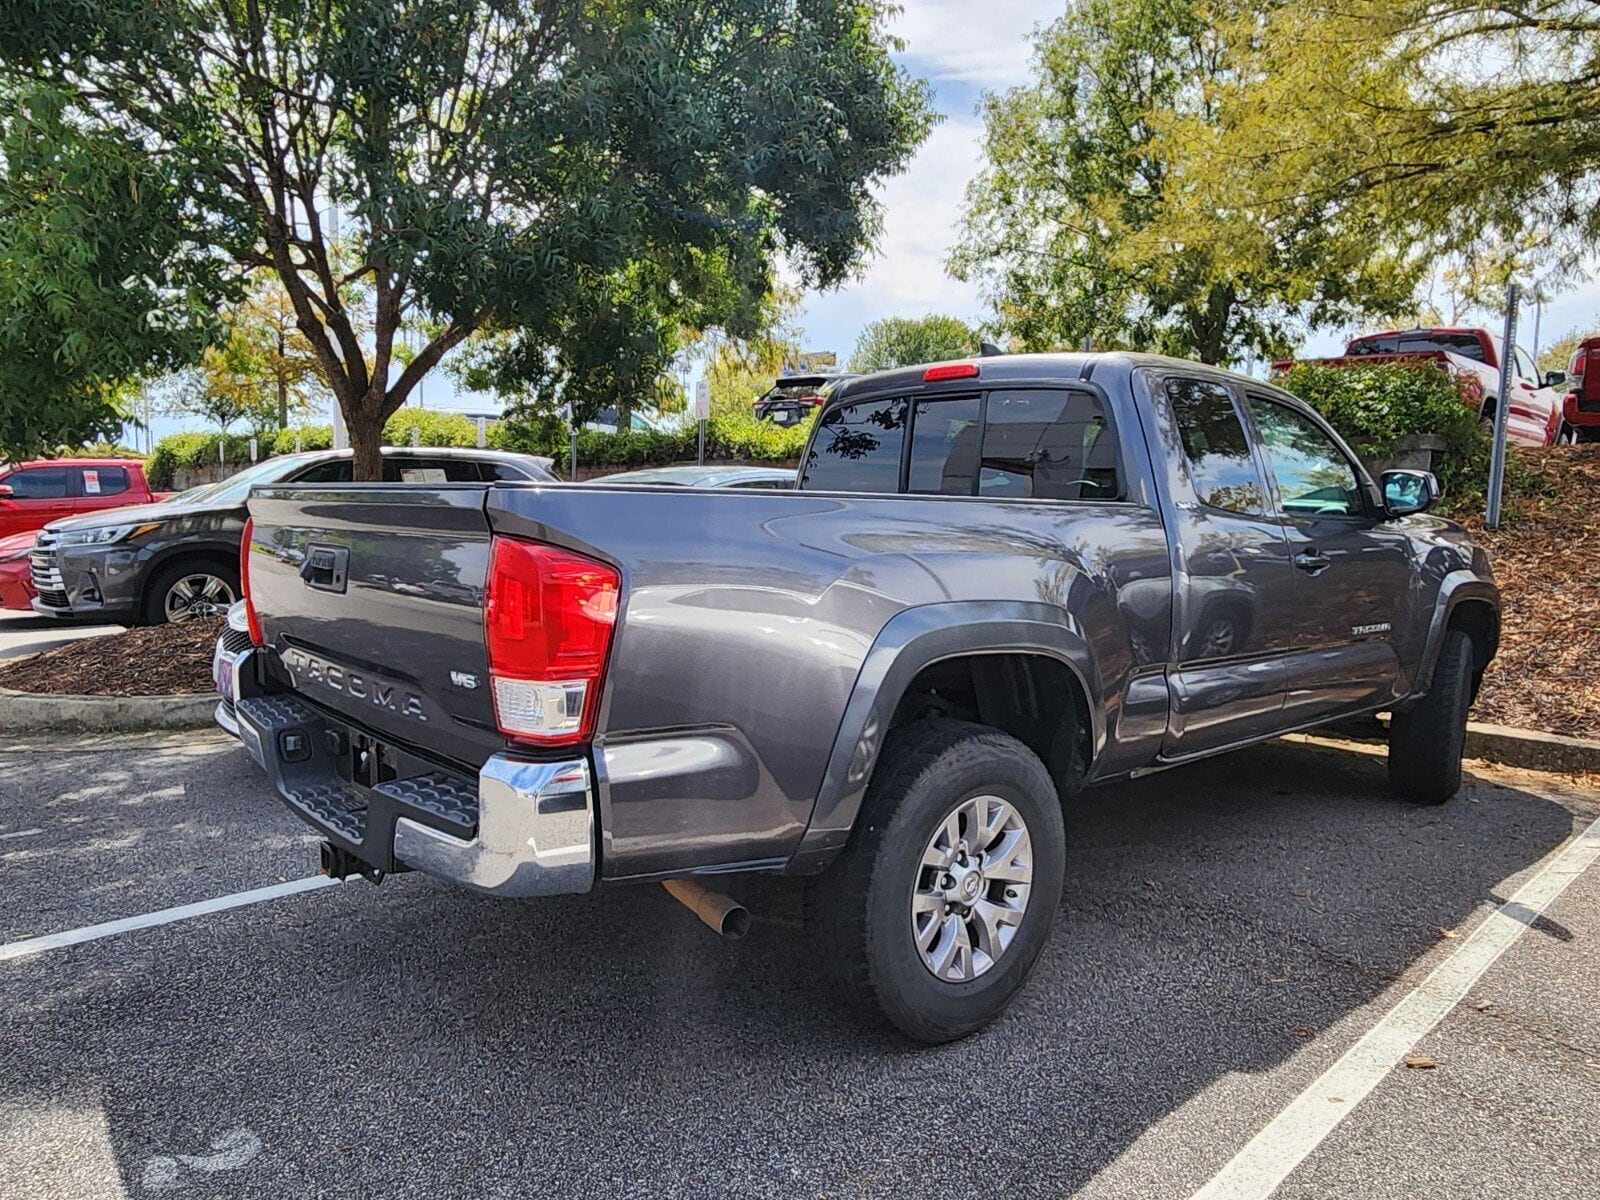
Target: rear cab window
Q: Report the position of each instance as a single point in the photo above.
(1221, 465)
(1017, 443)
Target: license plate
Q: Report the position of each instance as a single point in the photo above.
(224, 677)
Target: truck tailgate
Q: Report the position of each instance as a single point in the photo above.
(373, 598)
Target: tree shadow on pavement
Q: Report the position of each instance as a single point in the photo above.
(414, 1039)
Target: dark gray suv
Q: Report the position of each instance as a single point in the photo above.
(153, 563)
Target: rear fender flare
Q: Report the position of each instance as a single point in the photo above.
(912, 640)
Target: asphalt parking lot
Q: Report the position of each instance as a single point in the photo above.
(1227, 934)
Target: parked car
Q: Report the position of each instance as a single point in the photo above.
(712, 475)
(32, 494)
(1582, 381)
(16, 587)
(793, 398)
(1535, 414)
(999, 580)
(180, 559)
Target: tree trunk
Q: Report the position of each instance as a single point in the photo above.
(366, 441)
(283, 388)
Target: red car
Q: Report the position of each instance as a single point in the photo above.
(16, 587)
(1582, 408)
(1472, 355)
(32, 494)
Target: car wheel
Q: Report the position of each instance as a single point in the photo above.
(1426, 740)
(943, 899)
(189, 591)
(1567, 435)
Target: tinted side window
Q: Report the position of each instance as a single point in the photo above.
(102, 481)
(1221, 466)
(333, 470)
(1314, 477)
(944, 447)
(1048, 444)
(856, 448)
(38, 483)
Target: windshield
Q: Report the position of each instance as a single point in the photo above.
(236, 488)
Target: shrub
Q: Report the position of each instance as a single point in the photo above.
(433, 428)
(312, 437)
(196, 451)
(736, 435)
(1375, 407)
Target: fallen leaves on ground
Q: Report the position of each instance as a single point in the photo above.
(160, 660)
(1546, 557)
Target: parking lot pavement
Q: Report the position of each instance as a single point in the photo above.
(23, 633)
(1227, 932)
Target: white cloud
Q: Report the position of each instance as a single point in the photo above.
(958, 41)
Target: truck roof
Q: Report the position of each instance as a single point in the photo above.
(1053, 367)
(74, 462)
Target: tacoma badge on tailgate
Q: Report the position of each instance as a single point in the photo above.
(311, 671)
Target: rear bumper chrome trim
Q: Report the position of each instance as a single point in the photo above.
(535, 832)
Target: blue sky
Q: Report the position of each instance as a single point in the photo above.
(963, 50)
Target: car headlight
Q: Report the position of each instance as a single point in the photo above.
(104, 535)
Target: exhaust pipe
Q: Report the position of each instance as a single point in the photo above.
(723, 913)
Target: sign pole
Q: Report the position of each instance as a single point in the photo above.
(1502, 410)
(702, 412)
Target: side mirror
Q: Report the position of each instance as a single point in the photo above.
(7, 491)
(1555, 379)
(1407, 492)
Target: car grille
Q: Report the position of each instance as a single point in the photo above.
(47, 579)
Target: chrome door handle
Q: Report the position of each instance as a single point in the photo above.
(1311, 561)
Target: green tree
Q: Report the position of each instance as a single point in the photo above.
(1557, 356)
(1067, 226)
(493, 164)
(905, 341)
(1449, 125)
(98, 286)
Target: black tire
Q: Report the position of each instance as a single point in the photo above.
(1426, 740)
(859, 912)
(162, 582)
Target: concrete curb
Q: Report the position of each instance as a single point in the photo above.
(1531, 750)
(29, 712)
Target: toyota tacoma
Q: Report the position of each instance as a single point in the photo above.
(999, 580)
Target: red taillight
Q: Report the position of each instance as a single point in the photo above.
(548, 629)
(244, 584)
(954, 370)
(816, 401)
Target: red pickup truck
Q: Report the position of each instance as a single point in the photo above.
(1472, 355)
(1582, 409)
(32, 494)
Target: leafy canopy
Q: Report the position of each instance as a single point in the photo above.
(582, 178)
(1069, 224)
(1448, 125)
(906, 341)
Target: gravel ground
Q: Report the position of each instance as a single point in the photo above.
(1226, 932)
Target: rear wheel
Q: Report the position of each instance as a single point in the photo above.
(938, 908)
(190, 590)
(1426, 741)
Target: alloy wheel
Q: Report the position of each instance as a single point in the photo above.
(972, 888)
(198, 595)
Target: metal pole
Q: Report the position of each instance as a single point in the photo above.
(702, 441)
(572, 453)
(1502, 409)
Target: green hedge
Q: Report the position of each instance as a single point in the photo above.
(728, 436)
(736, 436)
(1375, 407)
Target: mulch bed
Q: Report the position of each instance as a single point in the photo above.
(161, 660)
(1546, 557)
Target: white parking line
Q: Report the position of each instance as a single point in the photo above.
(20, 833)
(165, 916)
(1273, 1154)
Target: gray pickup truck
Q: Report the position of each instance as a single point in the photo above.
(998, 581)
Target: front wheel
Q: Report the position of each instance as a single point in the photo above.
(1426, 741)
(189, 590)
(941, 903)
